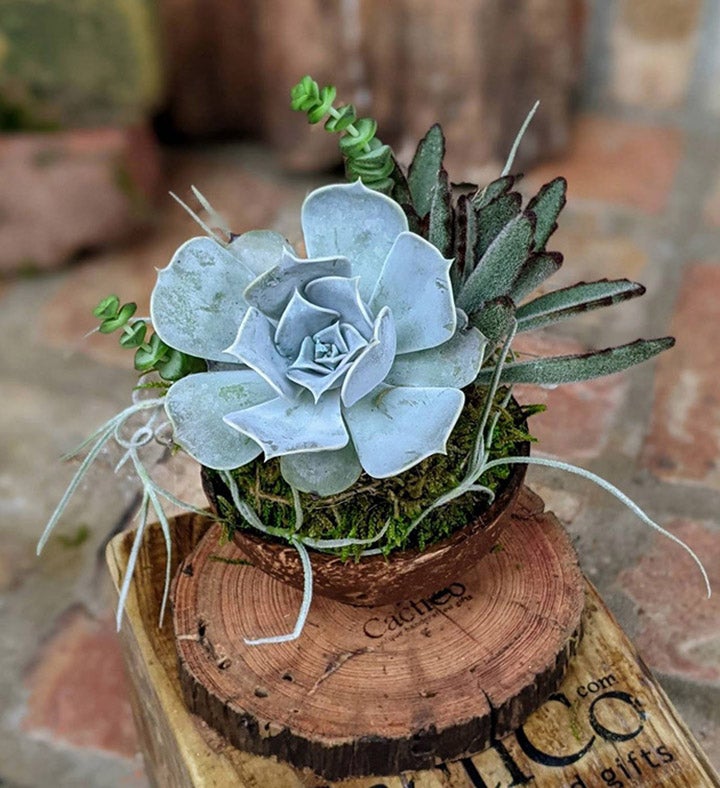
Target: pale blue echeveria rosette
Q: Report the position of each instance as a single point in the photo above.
(350, 360)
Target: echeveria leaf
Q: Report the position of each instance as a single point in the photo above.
(424, 313)
(259, 250)
(343, 295)
(546, 205)
(466, 234)
(495, 318)
(373, 363)
(354, 222)
(440, 226)
(493, 218)
(322, 472)
(255, 346)
(197, 304)
(493, 190)
(283, 427)
(393, 428)
(533, 272)
(301, 319)
(196, 405)
(425, 168)
(573, 300)
(571, 369)
(455, 363)
(272, 291)
(500, 265)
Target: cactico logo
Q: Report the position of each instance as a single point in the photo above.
(411, 612)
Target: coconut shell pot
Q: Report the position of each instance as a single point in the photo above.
(377, 579)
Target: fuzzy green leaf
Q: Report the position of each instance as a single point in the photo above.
(546, 205)
(499, 266)
(572, 369)
(569, 301)
(493, 218)
(440, 227)
(425, 169)
(401, 190)
(494, 319)
(534, 271)
(465, 240)
(494, 189)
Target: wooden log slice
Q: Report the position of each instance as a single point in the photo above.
(385, 689)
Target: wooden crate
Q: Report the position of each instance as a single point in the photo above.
(609, 724)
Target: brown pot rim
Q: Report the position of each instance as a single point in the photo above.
(504, 497)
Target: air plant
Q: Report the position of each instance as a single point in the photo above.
(358, 361)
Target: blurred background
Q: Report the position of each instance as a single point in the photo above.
(106, 105)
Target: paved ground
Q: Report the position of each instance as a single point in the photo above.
(644, 203)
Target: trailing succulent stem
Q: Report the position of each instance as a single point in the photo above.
(151, 353)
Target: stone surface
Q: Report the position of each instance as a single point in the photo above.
(672, 641)
(78, 690)
(68, 192)
(684, 443)
(579, 415)
(75, 64)
(619, 162)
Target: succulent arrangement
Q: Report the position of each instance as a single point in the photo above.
(356, 399)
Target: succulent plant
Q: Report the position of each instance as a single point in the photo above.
(352, 359)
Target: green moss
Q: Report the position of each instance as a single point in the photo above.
(363, 510)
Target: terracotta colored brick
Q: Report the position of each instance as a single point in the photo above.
(683, 443)
(617, 162)
(67, 192)
(578, 415)
(78, 690)
(679, 628)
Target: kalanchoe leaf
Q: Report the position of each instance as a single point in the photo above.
(533, 272)
(496, 272)
(401, 190)
(322, 472)
(493, 218)
(424, 313)
(546, 205)
(393, 428)
(196, 406)
(572, 369)
(495, 318)
(463, 214)
(573, 300)
(425, 169)
(441, 225)
(494, 189)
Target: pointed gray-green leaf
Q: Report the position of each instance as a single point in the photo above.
(534, 271)
(499, 266)
(196, 405)
(322, 472)
(493, 218)
(466, 230)
(546, 205)
(494, 189)
(440, 228)
(570, 301)
(197, 303)
(572, 369)
(495, 318)
(424, 170)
